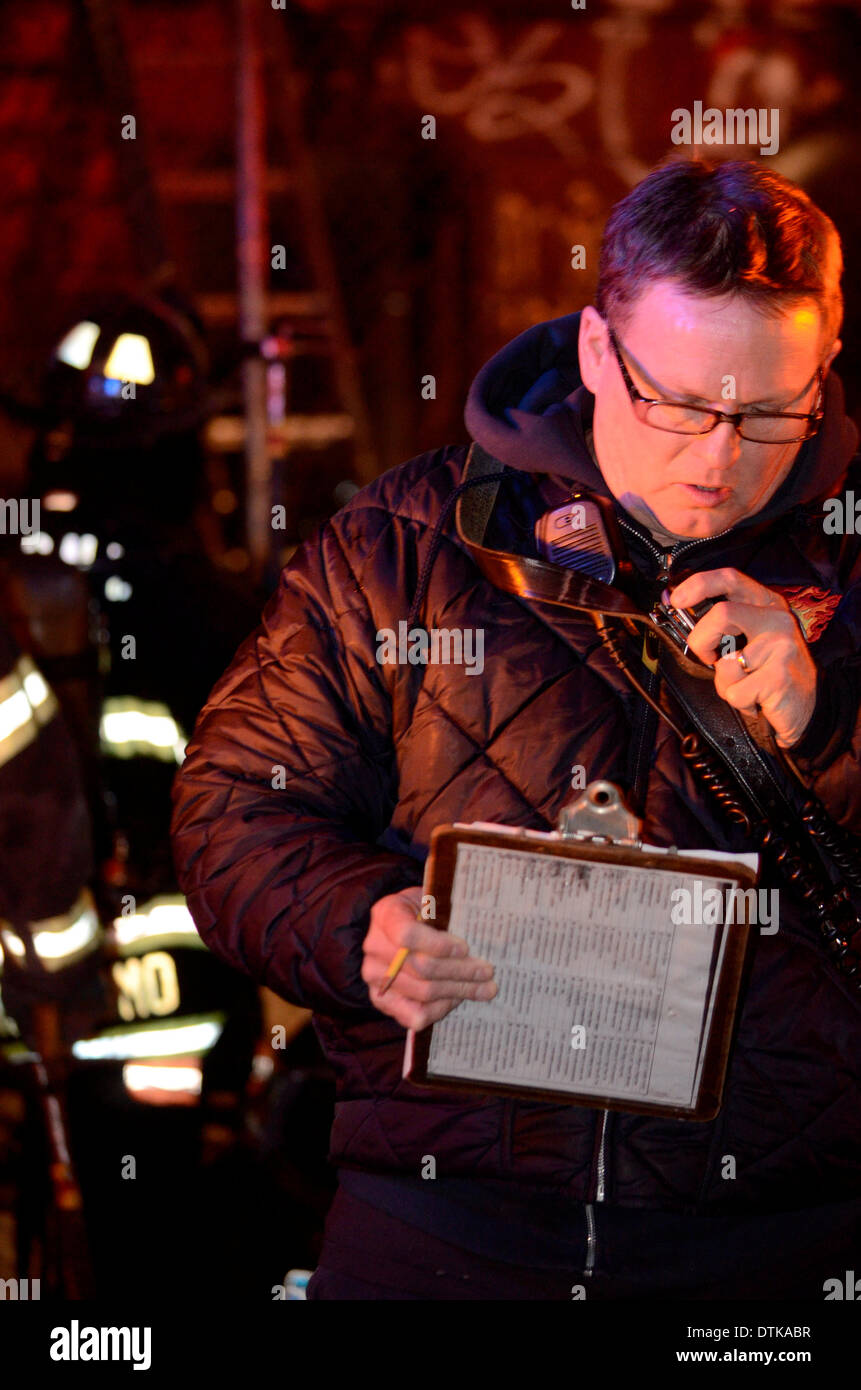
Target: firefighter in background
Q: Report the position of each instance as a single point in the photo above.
(52, 981)
(50, 931)
(120, 471)
(119, 474)
(118, 1025)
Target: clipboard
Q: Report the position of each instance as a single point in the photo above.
(574, 922)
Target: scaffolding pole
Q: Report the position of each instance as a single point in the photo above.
(252, 279)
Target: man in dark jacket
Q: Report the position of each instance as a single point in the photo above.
(317, 772)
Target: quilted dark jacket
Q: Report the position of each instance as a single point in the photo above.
(316, 775)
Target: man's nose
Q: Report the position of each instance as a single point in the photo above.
(721, 447)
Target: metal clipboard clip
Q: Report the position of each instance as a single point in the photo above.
(600, 816)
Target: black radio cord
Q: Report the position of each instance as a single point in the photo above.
(837, 920)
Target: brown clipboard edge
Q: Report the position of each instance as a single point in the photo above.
(439, 873)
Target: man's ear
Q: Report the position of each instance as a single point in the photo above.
(593, 346)
(835, 348)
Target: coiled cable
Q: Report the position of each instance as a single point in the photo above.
(832, 911)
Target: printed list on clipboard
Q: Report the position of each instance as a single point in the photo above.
(604, 988)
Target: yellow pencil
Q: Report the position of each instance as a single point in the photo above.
(397, 961)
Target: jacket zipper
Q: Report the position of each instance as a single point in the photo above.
(589, 1267)
(591, 1242)
(665, 561)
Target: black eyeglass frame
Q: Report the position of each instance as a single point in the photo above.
(813, 418)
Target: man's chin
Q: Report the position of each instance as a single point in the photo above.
(692, 524)
(700, 527)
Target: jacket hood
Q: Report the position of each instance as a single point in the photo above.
(528, 407)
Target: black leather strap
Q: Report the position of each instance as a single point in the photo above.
(521, 574)
(724, 730)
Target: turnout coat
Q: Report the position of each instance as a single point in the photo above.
(316, 774)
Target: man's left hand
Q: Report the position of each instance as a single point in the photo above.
(781, 680)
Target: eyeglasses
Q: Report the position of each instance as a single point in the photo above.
(760, 427)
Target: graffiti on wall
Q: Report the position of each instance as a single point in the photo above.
(589, 100)
(499, 91)
(504, 84)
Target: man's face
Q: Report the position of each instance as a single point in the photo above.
(687, 347)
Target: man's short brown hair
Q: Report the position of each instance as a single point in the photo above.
(729, 228)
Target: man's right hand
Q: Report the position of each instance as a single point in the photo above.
(438, 973)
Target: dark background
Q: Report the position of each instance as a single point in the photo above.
(444, 248)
